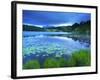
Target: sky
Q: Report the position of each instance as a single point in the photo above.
(49, 18)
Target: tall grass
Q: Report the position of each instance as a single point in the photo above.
(78, 58)
(33, 64)
(51, 63)
(82, 57)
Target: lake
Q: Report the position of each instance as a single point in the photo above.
(40, 45)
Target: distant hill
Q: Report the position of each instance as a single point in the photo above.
(83, 27)
(32, 28)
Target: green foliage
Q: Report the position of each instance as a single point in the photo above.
(83, 28)
(62, 62)
(51, 63)
(82, 57)
(66, 62)
(32, 64)
(31, 28)
(71, 62)
(78, 58)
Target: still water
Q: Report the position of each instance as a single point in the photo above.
(40, 45)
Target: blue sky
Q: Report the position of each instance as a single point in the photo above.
(48, 18)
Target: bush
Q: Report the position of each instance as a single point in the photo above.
(71, 62)
(32, 64)
(62, 62)
(78, 58)
(82, 57)
(51, 63)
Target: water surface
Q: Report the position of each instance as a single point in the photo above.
(40, 45)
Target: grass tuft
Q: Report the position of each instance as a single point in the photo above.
(33, 64)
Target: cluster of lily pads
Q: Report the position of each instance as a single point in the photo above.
(50, 49)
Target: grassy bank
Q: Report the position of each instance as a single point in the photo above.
(78, 58)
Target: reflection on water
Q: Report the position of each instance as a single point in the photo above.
(40, 45)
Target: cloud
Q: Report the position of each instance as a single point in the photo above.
(41, 26)
(64, 24)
